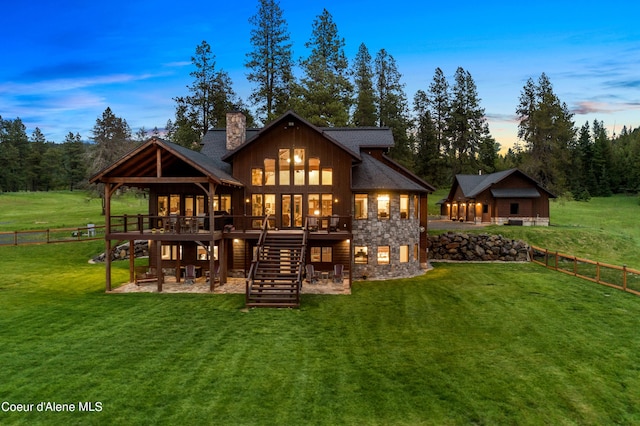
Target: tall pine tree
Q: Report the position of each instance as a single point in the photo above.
(365, 108)
(324, 95)
(270, 61)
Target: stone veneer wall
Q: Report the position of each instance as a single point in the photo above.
(393, 232)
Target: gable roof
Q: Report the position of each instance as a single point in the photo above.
(141, 162)
(371, 174)
(283, 118)
(473, 185)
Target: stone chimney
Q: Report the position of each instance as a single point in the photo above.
(236, 129)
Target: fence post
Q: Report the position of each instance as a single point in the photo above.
(598, 272)
(575, 265)
(556, 261)
(624, 277)
(15, 238)
(48, 235)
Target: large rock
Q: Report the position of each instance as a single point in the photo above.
(483, 247)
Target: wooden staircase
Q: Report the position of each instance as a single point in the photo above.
(275, 277)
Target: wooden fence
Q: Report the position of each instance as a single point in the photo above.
(618, 277)
(46, 236)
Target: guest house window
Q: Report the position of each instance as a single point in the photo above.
(404, 206)
(383, 255)
(361, 206)
(383, 206)
(361, 255)
(515, 207)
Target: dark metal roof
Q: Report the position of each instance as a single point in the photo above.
(371, 175)
(515, 193)
(473, 185)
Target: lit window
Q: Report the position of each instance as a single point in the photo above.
(284, 159)
(383, 206)
(315, 254)
(298, 166)
(256, 177)
(270, 204)
(327, 205)
(415, 252)
(361, 206)
(383, 255)
(404, 254)
(404, 206)
(327, 176)
(225, 202)
(314, 205)
(415, 207)
(269, 171)
(314, 171)
(256, 205)
(361, 255)
(327, 254)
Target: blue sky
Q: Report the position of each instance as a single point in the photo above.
(63, 63)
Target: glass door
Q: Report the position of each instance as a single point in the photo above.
(292, 216)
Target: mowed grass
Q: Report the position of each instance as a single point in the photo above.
(60, 209)
(463, 344)
(486, 344)
(603, 229)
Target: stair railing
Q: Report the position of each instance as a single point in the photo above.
(256, 257)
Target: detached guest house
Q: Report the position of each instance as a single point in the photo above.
(507, 197)
(273, 205)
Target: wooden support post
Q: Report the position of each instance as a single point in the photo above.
(624, 277)
(107, 260)
(158, 255)
(132, 260)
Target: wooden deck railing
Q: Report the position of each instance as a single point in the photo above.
(618, 277)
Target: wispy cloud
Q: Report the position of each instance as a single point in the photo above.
(592, 107)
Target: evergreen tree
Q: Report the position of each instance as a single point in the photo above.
(429, 163)
(73, 160)
(211, 97)
(601, 160)
(35, 170)
(466, 126)
(365, 108)
(392, 106)
(14, 147)
(547, 128)
(270, 61)
(583, 182)
(112, 137)
(324, 94)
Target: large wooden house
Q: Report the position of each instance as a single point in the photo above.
(507, 197)
(264, 203)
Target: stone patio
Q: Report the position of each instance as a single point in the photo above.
(232, 286)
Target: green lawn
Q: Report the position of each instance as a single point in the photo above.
(602, 229)
(463, 344)
(492, 344)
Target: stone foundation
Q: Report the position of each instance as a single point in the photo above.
(483, 247)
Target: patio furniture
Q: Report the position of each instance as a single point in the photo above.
(312, 223)
(333, 226)
(312, 274)
(144, 275)
(338, 270)
(189, 274)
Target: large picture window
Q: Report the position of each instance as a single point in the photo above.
(314, 171)
(298, 166)
(327, 176)
(256, 177)
(284, 166)
(269, 171)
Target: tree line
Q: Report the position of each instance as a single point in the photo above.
(442, 131)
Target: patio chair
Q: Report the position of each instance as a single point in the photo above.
(312, 223)
(189, 274)
(312, 275)
(144, 275)
(333, 224)
(338, 270)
